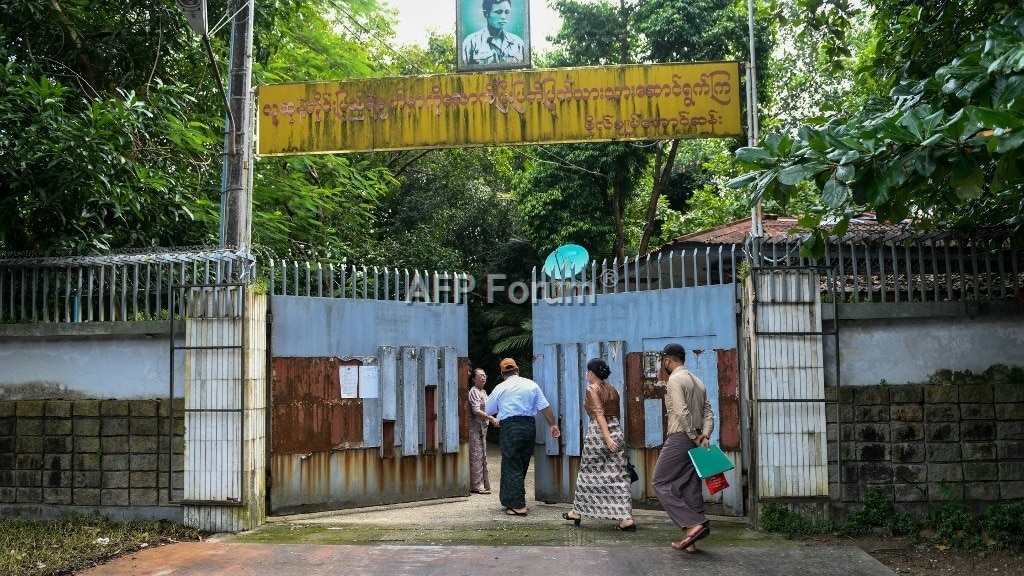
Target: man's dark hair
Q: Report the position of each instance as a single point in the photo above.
(488, 4)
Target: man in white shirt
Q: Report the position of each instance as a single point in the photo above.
(516, 402)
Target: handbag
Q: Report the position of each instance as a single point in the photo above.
(711, 465)
(633, 476)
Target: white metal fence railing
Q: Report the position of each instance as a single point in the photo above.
(933, 266)
(367, 282)
(705, 266)
(892, 267)
(113, 288)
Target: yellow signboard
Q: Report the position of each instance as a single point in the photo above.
(595, 104)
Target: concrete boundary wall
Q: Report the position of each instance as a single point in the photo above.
(118, 360)
(87, 456)
(957, 438)
(908, 342)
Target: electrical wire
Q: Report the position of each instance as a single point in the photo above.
(378, 39)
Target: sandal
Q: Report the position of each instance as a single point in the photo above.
(514, 512)
(574, 519)
(689, 541)
(631, 527)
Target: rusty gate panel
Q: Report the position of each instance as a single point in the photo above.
(365, 402)
(309, 414)
(728, 400)
(634, 400)
(456, 378)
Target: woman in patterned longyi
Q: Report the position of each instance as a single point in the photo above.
(602, 484)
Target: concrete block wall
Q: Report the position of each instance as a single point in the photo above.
(959, 437)
(84, 455)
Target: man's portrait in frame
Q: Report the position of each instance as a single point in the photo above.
(492, 34)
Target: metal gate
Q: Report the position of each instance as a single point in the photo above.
(213, 319)
(368, 388)
(626, 314)
(788, 387)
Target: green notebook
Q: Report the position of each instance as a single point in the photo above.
(710, 461)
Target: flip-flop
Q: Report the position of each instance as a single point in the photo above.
(513, 512)
(690, 541)
(480, 491)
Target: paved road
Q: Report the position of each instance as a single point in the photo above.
(221, 558)
(472, 536)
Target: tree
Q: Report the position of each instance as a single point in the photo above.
(110, 134)
(100, 149)
(660, 31)
(940, 150)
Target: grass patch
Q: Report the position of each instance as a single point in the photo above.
(71, 543)
(950, 525)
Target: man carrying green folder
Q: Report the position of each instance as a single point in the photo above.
(690, 423)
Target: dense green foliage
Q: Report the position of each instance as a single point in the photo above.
(111, 129)
(943, 148)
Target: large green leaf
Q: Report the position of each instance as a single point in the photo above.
(834, 193)
(756, 155)
(796, 173)
(967, 178)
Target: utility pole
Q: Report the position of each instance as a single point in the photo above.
(236, 179)
(756, 215)
(236, 197)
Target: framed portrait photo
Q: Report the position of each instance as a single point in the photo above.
(492, 34)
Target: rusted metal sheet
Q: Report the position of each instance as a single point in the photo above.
(353, 478)
(634, 400)
(728, 400)
(309, 414)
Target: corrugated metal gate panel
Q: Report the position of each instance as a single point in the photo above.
(410, 402)
(545, 367)
(623, 327)
(450, 408)
(571, 402)
(409, 450)
(214, 393)
(388, 359)
(790, 395)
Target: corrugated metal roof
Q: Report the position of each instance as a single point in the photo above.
(777, 229)
(737, 232)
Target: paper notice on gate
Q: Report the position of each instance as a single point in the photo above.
(349, 376)
(359, 381)
(369, 381)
